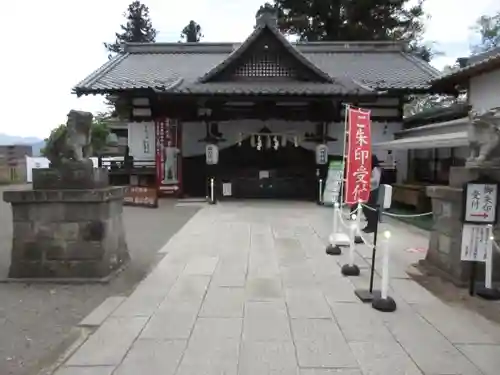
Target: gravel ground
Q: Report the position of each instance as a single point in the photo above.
(35, 319)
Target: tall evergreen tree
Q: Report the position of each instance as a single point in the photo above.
(138, 28)
(191, 33)
(353, 20)
(488, 28)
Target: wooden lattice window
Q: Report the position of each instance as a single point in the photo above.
(265, 65)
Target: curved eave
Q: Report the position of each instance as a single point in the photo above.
(379, 91)
(461, 76)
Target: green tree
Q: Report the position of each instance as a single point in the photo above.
(353, 20)
(138, 29)
(191, 33)
(488, 28)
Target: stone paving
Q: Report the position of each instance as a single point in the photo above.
(246, 288)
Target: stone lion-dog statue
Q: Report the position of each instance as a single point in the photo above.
(484, 138)
(72, 143)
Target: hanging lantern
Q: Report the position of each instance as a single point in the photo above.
(212, 154)
(276, 143)
(321, 154)
(283, 141)
(252, 141)
(296, 141)
(240, 139)
(259, 143)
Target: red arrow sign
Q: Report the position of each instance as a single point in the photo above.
(483, 215)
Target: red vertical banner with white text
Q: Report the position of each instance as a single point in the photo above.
(359, 156)
(168, 157)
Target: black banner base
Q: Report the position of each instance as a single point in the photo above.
(365, 296)
(333, 250)
(350, 270)
(384, 304)
(358, 240)
(490, 294)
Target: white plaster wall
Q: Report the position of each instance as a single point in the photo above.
(484, 91)
(194, 131)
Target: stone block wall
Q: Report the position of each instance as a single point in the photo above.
(446, 236)
(67, 233)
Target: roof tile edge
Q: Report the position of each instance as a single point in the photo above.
(312, 47)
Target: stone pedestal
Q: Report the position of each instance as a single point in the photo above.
(67, 233)
(446, 236)
(72, 175)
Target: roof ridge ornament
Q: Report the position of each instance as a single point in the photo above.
(267, 15)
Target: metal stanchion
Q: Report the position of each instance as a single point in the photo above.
(351, 269)
(384, 302)
(333, 248)
(367, 295)
(320, 192)
(212, 191)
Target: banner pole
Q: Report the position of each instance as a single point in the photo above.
(346, 118)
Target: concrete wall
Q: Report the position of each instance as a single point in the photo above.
(484, 91)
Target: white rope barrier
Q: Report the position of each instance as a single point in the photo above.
(398, 215)
(409, 215)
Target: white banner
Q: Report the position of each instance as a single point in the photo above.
(141, 140)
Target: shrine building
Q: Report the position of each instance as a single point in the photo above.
(265, 103)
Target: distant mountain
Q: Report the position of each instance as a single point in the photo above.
(37, 143)
(37, 147)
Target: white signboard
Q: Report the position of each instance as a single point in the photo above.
(227, 190)
(476, 239)
(212, 154)
(35, 163)
(481, 203)
(263, 174)
(333, 182)
(321, 154)
(141, 140)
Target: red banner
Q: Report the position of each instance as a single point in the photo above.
(168, 157)
(359, 156)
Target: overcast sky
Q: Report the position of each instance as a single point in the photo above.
(54, 44)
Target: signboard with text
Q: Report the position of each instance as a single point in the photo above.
(168, 156)
(140, 196)
(321, 154)
(480, 202)
(476, 241)
(333, 182)
(359, 156)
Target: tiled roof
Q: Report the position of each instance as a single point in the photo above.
(278, 37)
(454, 111)
(178, 67)
(273, 88)
(475, 66)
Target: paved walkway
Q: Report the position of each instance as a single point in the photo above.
(247, 289)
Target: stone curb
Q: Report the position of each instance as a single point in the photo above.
(72, 281)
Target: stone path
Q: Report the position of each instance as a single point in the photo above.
(247, 289)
